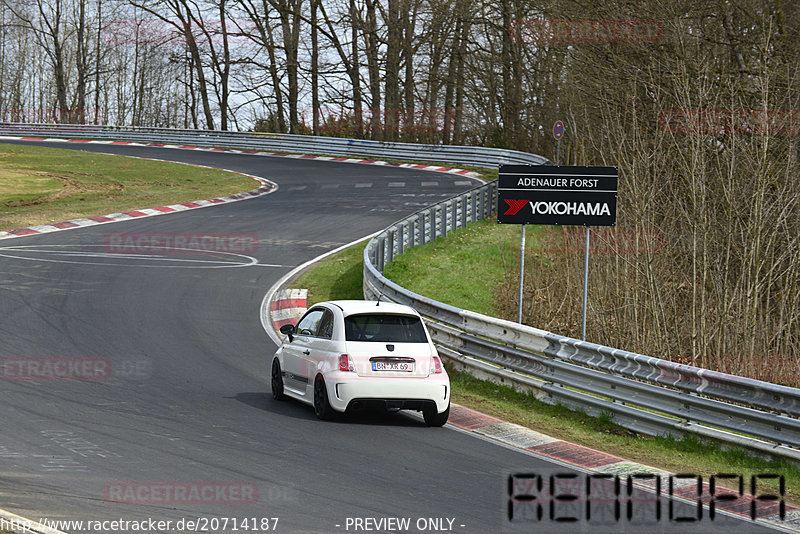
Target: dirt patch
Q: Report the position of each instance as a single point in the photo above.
(69, 187)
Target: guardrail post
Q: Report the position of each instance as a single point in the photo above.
(433, 223)
(463, 200)
(379, 254)
(390, 248)
(473, 196)
(412, 231)
(454, 214)
(400, 236)
(372, 255)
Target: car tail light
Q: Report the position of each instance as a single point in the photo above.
(437, 365)
(345, 363)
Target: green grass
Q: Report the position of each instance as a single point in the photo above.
(339, 277)
(40, 185)
(22, 187)
(463, 270)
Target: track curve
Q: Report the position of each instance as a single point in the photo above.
(186, 403)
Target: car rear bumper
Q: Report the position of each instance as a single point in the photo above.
(347, 387)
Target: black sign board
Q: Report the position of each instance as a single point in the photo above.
(537, 194)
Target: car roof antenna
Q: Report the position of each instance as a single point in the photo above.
(379, 300)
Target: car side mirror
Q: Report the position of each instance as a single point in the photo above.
(288, 330)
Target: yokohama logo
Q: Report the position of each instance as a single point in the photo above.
(570, 208)
(558, 208)
(514, 206)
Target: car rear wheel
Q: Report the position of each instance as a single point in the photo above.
(433, 418)
(322, 406)
(277, 381)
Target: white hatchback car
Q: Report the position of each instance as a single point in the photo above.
(350, 354)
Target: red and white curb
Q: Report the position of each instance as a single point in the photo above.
(287, 307)
(276, 293)
(266, 188)
(434, 168)
(584, 458)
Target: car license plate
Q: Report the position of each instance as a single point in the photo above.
(393, 366)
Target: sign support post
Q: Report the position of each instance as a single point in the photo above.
(585, 284)
(521, 273)
(558, 133)
(561, 196)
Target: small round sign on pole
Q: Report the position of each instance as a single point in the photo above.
(558, 130)
(558, 133)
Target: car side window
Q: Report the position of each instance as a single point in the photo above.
(326, 326)
(309, 324)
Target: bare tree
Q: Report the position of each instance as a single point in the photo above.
(47, 22)
(184, 23)
(290, 13)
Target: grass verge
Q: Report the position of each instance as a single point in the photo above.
(464, 268)
(40, 185)
(469, 278)
(338, 277)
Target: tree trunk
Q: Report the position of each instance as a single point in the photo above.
(54, 30)
(461, 53)
(512, 77)
(391, 111)
(97, 63)
(314, 69)
(371, 37)
(201, 76)
(409, 24)
(81, 65)
(290, 14)
(450, 83)
(355, 76)
(224, 71)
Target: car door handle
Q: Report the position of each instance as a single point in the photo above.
(306, 352)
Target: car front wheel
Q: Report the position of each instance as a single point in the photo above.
(322, 406)
(433, 418)
(277, 381)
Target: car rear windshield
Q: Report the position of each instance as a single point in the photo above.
(384, 328)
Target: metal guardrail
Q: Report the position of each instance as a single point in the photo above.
(463, 155)
(643, 393)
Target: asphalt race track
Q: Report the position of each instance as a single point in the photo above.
(185, 405)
